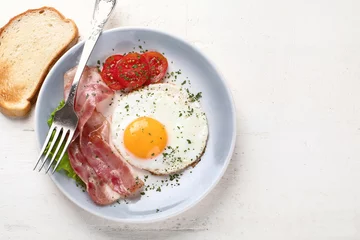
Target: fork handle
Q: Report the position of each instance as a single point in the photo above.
(102, 11)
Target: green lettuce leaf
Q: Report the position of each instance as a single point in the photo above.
(65, 162)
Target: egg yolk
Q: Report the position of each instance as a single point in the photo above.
(145, 137)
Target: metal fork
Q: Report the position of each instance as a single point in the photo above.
(65, 119)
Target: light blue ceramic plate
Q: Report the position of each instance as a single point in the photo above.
(216, 102)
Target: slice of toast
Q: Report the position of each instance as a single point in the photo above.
(30, 43)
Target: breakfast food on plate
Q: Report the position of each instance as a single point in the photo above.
(157, 128)
(30, 43)
(153, 126)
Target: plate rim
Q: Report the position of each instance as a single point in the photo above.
(224, 166)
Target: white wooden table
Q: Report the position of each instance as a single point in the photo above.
(294, 70)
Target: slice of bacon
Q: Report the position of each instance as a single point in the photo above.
(100, 192)
(106, 175)
(91, 91)
(94, 144)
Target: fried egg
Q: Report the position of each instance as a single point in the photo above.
(159, 128)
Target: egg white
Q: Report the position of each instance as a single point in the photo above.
(184, 121)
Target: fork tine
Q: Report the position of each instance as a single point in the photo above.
(51, 130)
(71, 134)
(64, 132)
(56, 135)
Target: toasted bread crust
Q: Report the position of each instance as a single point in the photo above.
(23, 110)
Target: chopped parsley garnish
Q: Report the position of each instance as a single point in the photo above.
(193, 97)
(198, 95)
(172, 177)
